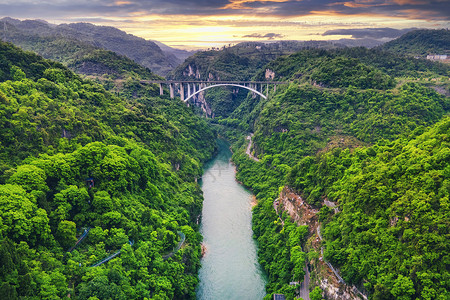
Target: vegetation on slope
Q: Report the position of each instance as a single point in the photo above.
(360, 67)
(239, 62)
(393, 229)
(73, 43)
(143, 158)
(305, 136)
(420, 43)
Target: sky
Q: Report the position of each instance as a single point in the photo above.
(213, 23)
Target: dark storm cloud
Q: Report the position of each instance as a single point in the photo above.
(375, 33)
(269, 36)
(419, 9)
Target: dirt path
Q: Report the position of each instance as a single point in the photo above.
(249, 147)
(304, 286)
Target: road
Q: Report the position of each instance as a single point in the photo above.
(249, 147)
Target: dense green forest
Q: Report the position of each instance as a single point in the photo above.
(420, 43)
(365, 128)
(73, 157)
(352, 130)
(393, 230)
(366, 68)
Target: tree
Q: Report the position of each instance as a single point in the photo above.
(66, 233)
(316, 294)
(17, 74)
(30, 177)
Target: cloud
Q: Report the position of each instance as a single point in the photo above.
(268, 36)
(374, 33)
(421, 9)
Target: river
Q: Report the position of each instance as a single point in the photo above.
(230, 268)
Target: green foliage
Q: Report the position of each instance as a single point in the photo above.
(398, 196)
(143, 156)
(90, 49)
(390, 232)
(280, 252)
(357, 66)
(239, 62)
(420, 43)
(316, 294)
(344, 72)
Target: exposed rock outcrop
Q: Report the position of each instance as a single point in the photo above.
(321, 272)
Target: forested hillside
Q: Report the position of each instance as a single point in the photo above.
(360, 66)
(353, 128)
(75, 158)
(392, 233)
(420, 43)
(83, 43)
(239, 62)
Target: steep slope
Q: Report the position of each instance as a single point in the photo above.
(239, 62)
(420, 43)
(316, 132)
(307, 63)
(126, 170)
(392, 229)
(69, 42)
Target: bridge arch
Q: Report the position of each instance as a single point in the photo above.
(225, 84)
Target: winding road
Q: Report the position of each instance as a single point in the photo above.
(249, 147)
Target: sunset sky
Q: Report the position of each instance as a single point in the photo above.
(206, 23)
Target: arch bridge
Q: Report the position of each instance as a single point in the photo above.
(189, 89)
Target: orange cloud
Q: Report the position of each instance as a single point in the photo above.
(122, 2)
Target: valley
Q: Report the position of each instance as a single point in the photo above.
(346, 153)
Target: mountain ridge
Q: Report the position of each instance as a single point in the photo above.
(144, 52)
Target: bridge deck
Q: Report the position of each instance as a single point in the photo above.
(213, 82)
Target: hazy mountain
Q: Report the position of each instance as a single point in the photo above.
(27, 34)
(178, 53)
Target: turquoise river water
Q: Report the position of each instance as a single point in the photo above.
(230, 268)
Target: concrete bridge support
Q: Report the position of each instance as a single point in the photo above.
(172, 92)
(191, 89)
(182, 91)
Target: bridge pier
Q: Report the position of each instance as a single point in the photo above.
(182, 91)
(195, 88)
(172, 92)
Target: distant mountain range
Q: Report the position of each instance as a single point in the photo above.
(67, 42)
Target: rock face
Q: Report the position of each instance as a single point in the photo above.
(321, 273)
(340, 291)
(269, 74)
(299, 211)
